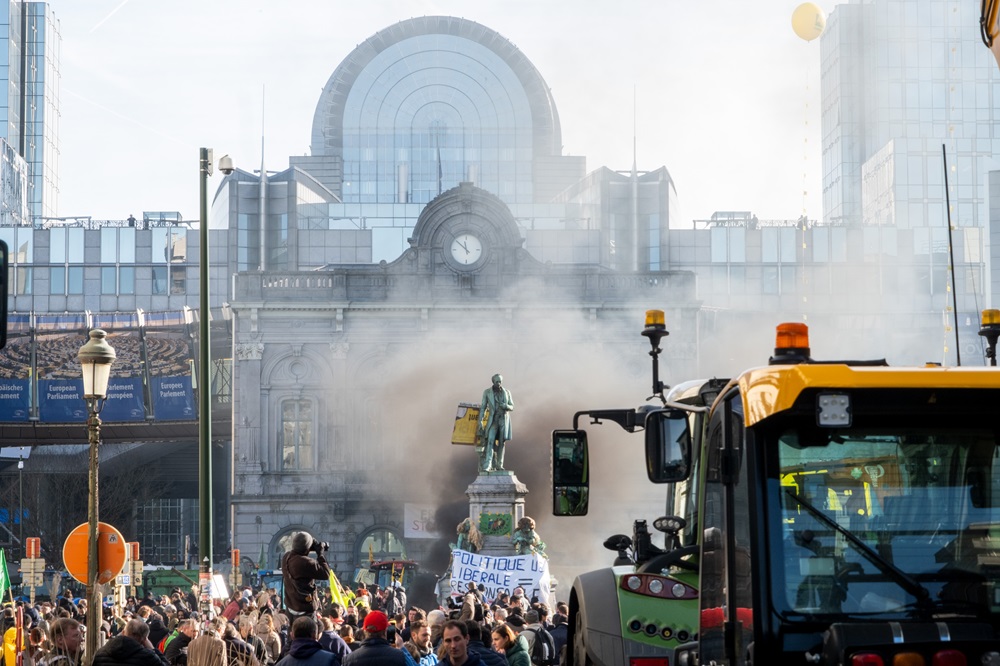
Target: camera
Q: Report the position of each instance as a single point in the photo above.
(320, 547)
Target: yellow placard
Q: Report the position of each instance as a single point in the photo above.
(466, 424)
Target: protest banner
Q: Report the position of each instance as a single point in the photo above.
(501, 574)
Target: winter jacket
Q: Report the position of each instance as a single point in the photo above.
(176, 651)
(299, 575)
(517, 654)
(307, 652)
(126, 651)
(332, 642)
(376, 652)
(489, 656)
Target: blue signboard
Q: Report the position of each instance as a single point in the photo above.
(61, 401)
(14, 400)
(173, 398)
(124, 401)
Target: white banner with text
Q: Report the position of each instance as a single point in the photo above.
(501, 574)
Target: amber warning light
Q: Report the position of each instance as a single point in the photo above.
(655, 319)
(791, 343)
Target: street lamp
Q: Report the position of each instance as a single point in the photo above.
(205, 385)
(96, 358)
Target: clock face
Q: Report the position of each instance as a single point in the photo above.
(466, 249)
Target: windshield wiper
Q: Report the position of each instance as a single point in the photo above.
(903, 579)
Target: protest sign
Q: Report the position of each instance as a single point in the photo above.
(501, 574)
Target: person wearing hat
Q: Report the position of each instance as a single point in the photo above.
(300, 573)
(375, 650)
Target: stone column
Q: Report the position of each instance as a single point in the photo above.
(496, 503)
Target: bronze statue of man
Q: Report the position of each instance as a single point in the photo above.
(494, 425)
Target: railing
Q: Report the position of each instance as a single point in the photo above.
(377, 285)
(90, 223)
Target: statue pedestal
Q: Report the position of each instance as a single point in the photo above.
(496, 503)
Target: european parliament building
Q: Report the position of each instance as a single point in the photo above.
(436, 234)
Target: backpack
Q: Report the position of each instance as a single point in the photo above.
(166, 640)
(543, 649)
(478, 612)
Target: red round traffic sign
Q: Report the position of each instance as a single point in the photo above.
(110, 552)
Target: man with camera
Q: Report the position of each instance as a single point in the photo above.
(300, 573)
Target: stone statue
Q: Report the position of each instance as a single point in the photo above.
(494, 425)
(525, 538)
(469, 537)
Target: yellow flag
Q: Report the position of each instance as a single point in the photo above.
(336, 595)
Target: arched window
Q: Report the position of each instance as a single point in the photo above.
(381, 544)
(297, 448)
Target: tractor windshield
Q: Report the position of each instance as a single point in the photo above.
(887, 521)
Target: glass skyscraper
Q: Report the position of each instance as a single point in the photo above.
(901, 78)
(29, 103)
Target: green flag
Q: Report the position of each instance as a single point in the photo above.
(4, 578)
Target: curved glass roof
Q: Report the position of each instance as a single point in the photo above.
(431, 102)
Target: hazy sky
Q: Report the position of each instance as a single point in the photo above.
(727, 94)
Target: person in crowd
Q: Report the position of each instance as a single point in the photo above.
(516, 621)
(157, 629)
(268, 634)
(395, 599)
(131, 648)
(412, 615)
(67, 643)
(347, 633)
(300, 573)
(455, 645)
(238, 651)
(435, 620)
(375, 650)
(249, 635)
(331, 641)
(486, 653)
(9, 626)
(176, 651)
(361, 595)
(419, 646)
(469, 600)
(374, 597)
(513, 647)
(36, 646)
(518, 598)
(530, 629)
(304, 649)
(209, 648)
(232, 608)
(560, 630)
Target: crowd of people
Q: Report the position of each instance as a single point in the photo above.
(368, 626)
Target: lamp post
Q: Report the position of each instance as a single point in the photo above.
(96, 357)
(20, 504)
(205, 530)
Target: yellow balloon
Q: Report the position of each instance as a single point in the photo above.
(808, 21)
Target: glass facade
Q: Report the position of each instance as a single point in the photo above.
(899, 79)
(29, 99)
(417, 109)
(432, 111)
